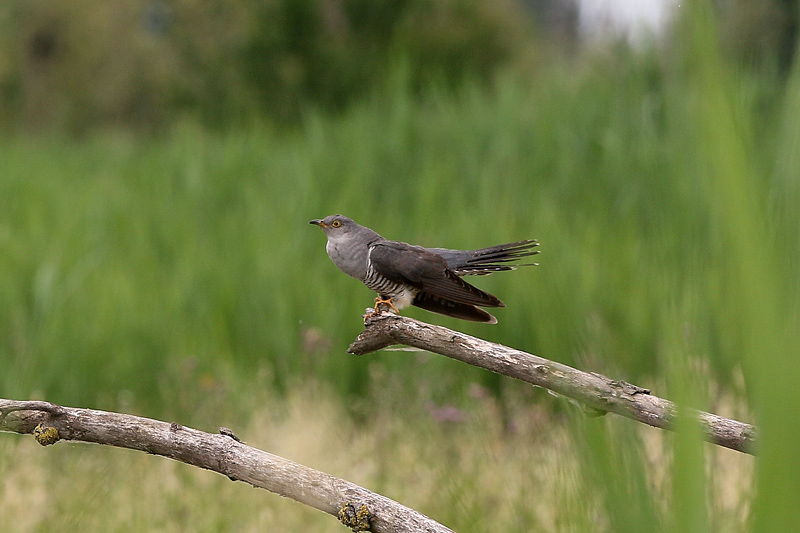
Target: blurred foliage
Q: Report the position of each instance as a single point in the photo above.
(331, 53)
(176, 274)
(147, 64)
(760, 34)
(70, 66)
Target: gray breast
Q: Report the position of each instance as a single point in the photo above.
(352, 260)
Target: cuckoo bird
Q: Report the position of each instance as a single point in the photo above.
(403, 274)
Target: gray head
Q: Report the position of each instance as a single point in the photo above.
(336, 226)
(348, 243)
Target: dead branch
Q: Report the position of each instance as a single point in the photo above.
(593, 390)
(356, 507)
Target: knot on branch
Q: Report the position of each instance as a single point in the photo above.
(46, 435)
(355, 519)
(628, 388)
(376, 335)
(229, 433)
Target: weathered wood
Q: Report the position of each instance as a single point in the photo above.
(593, 390)
(221, 452)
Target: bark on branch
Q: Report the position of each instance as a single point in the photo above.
(593, 390)
(356, 507)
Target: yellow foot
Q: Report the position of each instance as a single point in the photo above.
(377, 310)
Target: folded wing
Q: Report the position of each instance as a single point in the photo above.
(440, 289)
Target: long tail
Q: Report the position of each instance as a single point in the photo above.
(488, 260)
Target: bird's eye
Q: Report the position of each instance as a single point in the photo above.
(336, 223)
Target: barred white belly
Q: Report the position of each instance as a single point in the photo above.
(402, 295)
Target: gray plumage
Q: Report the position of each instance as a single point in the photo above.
(403, 274)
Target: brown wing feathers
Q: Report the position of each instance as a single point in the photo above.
(428, 272)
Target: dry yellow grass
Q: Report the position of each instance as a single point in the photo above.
(478, 466)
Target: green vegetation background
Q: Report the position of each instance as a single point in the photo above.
(173, 274)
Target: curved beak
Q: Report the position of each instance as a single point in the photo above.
(319, 222)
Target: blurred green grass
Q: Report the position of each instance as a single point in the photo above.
(127, 258)
(174, 276)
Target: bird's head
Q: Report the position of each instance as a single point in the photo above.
(335, 225)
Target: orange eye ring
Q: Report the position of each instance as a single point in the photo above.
(336, 223)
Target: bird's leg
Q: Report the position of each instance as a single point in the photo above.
(378, 302)
(388, 301)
